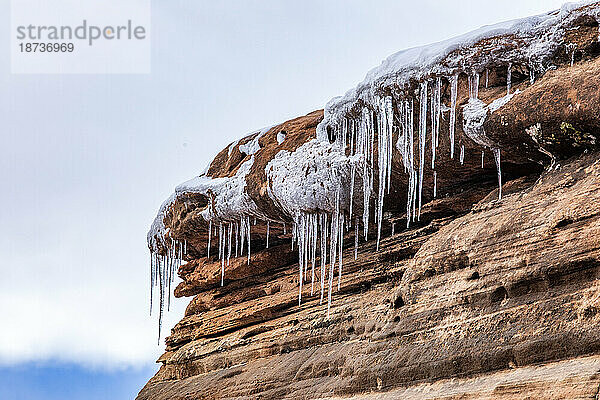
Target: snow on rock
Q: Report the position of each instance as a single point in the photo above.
(307, 180)
(529, 40)
(474, 115)
(327, 182)
(252, 146)
(229, 199)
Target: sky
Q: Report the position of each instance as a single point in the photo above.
(86, 160)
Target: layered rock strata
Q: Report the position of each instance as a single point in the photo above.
(472, 296)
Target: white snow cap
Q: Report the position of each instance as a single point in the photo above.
(541, 31)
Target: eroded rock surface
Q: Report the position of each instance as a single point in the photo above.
(478, 298)
(510, 284)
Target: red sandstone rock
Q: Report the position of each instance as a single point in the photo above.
(481, 298)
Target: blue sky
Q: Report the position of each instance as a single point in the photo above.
(86, 160)
(51, 381)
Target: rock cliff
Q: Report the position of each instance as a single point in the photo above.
(434, 233)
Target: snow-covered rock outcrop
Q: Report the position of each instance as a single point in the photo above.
(418, 127)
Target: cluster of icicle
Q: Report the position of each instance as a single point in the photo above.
(228, 232)
(162, 273)
(319, 236)
(321, 233)
(410, 144)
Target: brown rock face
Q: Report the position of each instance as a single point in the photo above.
(481, 298)
(509, 285)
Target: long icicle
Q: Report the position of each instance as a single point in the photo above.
(209, 234)
(422, 136)
(314, 229)
(340, 250)
(499, 169)
(248, 233)
(333, 247)
(453, 97)
(298, 226)
(323, 253)
(222, 252)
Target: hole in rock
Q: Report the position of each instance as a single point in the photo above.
(563, 222)
(398, 301)
(499, 294)
(473, 276)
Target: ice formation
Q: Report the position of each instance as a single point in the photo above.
(281, 137)
(162, 273)
(453, 97)
(252, 146)
(344, 175)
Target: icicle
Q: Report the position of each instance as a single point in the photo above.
(434, 184)
(305, 240)
(162, 296)
(151, 279)
(435, 118)
(462, 154)
(324, 231)
(248, 233)
(352, 177)
(356, 238)
(411, 195)
(299, 227)
(237, 239)
(284, 229)
(571, 48)
(509, 79)
(220, 240)
(438, 109)
(482, 156)
(314, 231)
(487, 78)
(352, 138)
(393, 228)
(384, 140)
(229, 242)
(474, 86)
(222, 252)
(498, 168)
(422, 135)
(453, 97)
(209, 233)
(367, 141)
(268, 231)
(242, 234)
(340, 251)
(333, 244)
